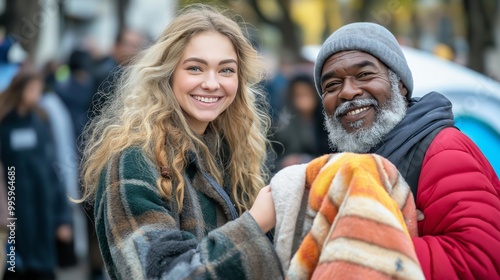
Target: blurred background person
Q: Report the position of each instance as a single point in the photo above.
(77, 90)
(11, 54)
(127, 44)
(66, 167)
(41, 201)
(300, 134)
(107, 69)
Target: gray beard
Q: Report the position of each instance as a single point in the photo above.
(362, 140)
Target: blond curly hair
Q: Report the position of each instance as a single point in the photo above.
(143, 112)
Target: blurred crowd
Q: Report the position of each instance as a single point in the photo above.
(43, 113)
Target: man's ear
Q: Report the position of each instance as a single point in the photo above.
(402, 89)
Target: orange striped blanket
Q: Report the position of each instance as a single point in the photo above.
(345, 216)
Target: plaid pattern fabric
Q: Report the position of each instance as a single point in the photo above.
(142, 236)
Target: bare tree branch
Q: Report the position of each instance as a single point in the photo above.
(290, 34)
(480, 16)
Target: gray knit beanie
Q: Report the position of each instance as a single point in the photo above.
(367, 37)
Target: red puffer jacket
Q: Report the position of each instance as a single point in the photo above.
(459, 194)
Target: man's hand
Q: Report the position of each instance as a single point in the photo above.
(420, 216)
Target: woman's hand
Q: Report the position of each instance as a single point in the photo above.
(263, 210)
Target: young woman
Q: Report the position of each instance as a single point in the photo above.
(28, 157)
(176, 159)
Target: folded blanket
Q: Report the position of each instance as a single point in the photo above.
(345, 216)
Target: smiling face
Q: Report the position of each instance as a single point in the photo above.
(355, 75)
(205, 81)
(363, 100)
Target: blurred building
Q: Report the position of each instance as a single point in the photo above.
(61, 25)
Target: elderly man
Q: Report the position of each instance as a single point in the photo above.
(366, 86)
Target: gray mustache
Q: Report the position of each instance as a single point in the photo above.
(344, 107)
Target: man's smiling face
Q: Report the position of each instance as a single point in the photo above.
(362, 100)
